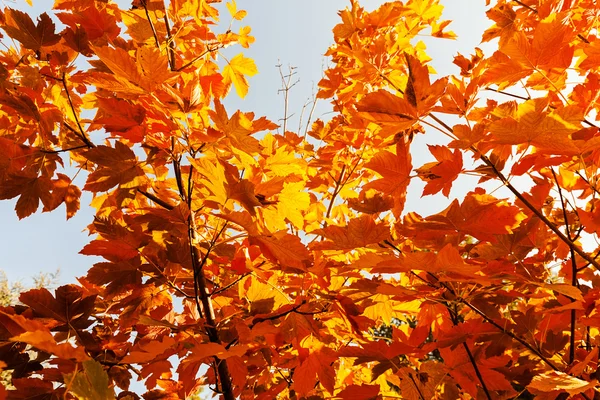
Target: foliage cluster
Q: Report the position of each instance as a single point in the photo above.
(268, 260)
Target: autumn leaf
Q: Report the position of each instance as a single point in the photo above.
(116, 166)
(316, 365)
(19, 26)
(359, 392)
(284, 249)
(554, 381)
(359, 232)
(440, 175)
(395, 174)
(236, 71)
(90, 383)
(385, 108)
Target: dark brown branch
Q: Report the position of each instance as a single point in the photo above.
(81, 133)
(224, 288)
(522, 198)
(156, 199)
(202, 296)
(258, 320)
(477, 372)
(170, 44)
(336, 190)
(455, 321)
(574, 281)
(145, 5)
(526, 6)
(590, 123)
(539, 214)
(516, 96)
(83, 146)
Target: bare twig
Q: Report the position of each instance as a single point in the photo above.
(286, 83)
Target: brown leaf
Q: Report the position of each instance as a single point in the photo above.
(19, 26)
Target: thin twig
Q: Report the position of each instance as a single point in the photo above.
(516, 96)
(81, 133)
(286, 86)
(205, 52)
(156, 199)
(526, 6)
(170, 43)
(144, 4)
(224, 288)
(83, 146)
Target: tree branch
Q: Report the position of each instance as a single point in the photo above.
(155, 199)
(145, 5)
(170, 43)
(574, 281)
(202, 295)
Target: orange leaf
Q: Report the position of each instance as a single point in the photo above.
(284, 249)
(382, 107)
(359, 392)
(557, 382)
(420, 93)
(440, 175)
(395, 171)
(317, 364)
(360, 232)
(19, 26)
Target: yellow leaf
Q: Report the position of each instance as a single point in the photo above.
(91, 383)
(293, 200)
(556, 381)
(235, 72)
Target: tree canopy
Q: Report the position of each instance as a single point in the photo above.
(243, 257)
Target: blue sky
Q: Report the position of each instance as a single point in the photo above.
(291, 32)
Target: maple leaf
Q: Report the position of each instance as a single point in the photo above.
(19, 26)
(440, 175)
(385, 108)
(420, 93)
(116, 166)
(236, 71)
(532, 124)
(553, 381)
(480, 215)
(395, 171)
(360, 232)
(317, 364)
(453, 304)
(359, 392)
(282, 248)
(70, 307)
(90, 383)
